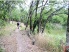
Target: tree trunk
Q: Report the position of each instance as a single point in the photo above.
(35, 22)
(30, 16)
(67, 33)
(40, 19)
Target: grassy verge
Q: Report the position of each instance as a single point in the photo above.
(7, 29)
(53, 41)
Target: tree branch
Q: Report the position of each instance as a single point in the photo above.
(39, 27)
(49, 17)
(42, 5)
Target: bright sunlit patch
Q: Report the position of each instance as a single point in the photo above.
(17, 6)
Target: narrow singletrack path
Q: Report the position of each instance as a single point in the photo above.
(18, 41)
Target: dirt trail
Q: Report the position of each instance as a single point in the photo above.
(18, 42)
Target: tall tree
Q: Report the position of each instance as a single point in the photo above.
(67, 32)
(35, 22)
(40, 19)
(30, 15)
(50, 16)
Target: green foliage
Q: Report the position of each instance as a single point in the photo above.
(13, 10)
(64, 16)
(49, 26)
(1, 50)
(15, 13)
(61, 18)
(57, 19)
(2, 23)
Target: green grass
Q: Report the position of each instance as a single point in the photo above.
(7, 29)
(51, 40)
(57, 34)
(55, 37)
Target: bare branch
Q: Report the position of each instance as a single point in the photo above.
(42, 5)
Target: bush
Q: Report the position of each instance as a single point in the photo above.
(2, 23)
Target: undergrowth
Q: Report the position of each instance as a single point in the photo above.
(52, 40)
